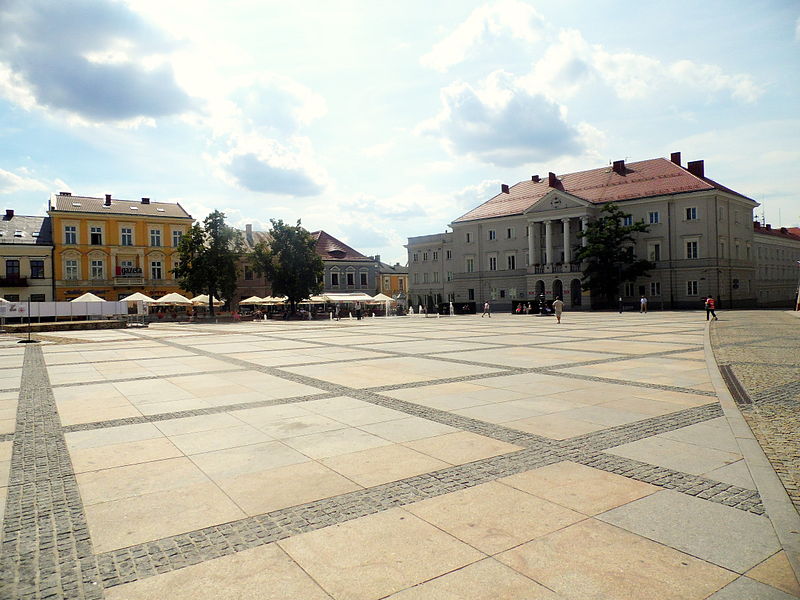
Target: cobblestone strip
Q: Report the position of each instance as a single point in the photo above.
(685, 483)
(151, 558)
(46, 550)
(638, 430)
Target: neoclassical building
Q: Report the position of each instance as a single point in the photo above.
(522, 242)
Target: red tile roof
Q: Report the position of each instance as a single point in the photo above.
(789, 233)
(644, 179)
(88, 204)
(329, 248)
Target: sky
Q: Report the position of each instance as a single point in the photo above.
(378, 120)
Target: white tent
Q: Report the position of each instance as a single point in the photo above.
(4, 301)
(274, 300)
(173, 298)
(251, 300)
(137, 297)
(383, 298)
(351, 297)
(203, 299)
(88, 297)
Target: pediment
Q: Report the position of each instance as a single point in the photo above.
(556, 200)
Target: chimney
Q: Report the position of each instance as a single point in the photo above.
(504, 188)
(696, 168)
(145, 200)
(248, 233)
(377, 258)
(9, 214)
(65, 193)
(552, 180)
(108, 200)
(619, 167)
(536, 179)
(676, 158)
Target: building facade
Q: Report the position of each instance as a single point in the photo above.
(346, 269)
(777, 257)
(522, 243)
(392, 280)
(113, 247)
(248, 282)
(26, 258)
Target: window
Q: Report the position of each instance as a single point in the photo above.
(470, 265)
(386, 283)
(449, 276)
(248, 273)
(721, 213)
(12, 269)
(493, 263)
(177, 234)
(436, 277)
(97, 269)
(71, 269)
(629, 288)
(424, 256)
(653, 217)
(400, 284)
(511, 262)
(424, 278)
(351, 279)
(738, 249)
(654, 252)
(527, 231)
(509, 233)
(37, 269)
(12, 297)
(363, 278)
(691, 249)
(691, 213)
(95, 236)
(736, 216)
(691, 288)
(155, 269)
(435, 255)
(449, 255)
(722, 248)
(416, 277)
(470, 294)
(655, 288)
(416, 256)
(70, 234)
(37, 298)
(155, 237)
(492, 234)
(335, 279)
(627, 220)
(126, 238)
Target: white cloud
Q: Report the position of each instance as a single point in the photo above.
(11, 182)
(502, 123)
(471, 196)
(490, 21)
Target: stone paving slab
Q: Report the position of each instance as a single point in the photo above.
(338, 459)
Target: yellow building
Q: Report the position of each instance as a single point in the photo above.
(113, 247)
(393, 280)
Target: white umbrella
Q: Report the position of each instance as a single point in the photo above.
(88, 297)
(203, 299)
(383, 298)
(4, 301)
(174, 298)
(252, 300)
(137, 297)
(351, 297)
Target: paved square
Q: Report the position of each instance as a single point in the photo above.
(385, 458)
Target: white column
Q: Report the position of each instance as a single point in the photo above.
(548, 241)
(531, 256)
(567, 249)
(584, 226)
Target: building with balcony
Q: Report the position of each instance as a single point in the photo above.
(26, 258)
(522, 243)
(114, 247)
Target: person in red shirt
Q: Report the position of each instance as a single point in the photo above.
(710, 306)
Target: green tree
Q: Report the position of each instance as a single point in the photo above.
(609, 253)
(208, 256)
(290, 262)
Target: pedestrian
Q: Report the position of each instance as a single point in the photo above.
(643, 305)
(558, 308)
(710, 306)
(486, 310)
(336, 311)
(620, 304)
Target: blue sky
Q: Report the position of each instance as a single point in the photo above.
(380, 120)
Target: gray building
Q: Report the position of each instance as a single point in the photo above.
(522, 242)
(26, 258)
(346, 269)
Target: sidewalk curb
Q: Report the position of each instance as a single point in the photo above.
(778, 507)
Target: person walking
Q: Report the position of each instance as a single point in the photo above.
(711, 304)
(643, 305)
(487, 310)
(620, 303)
(558, 308)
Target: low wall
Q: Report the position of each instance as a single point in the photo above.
(65, 326)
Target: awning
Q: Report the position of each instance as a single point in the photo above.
(352, 297)
(88, 297)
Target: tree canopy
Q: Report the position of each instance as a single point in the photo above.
(609, 253)
(290, 262)
(208, 256)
